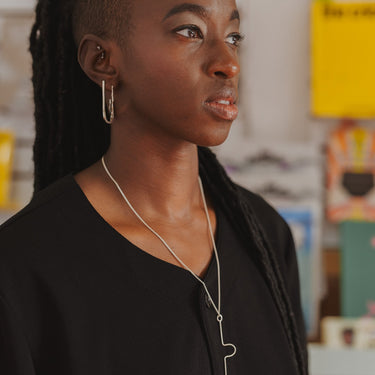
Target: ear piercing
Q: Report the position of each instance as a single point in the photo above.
(99, 48)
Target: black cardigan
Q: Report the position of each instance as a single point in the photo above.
(77, 298)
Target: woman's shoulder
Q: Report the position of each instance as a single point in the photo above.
(40, 213)
(276, 229)
(265, 212)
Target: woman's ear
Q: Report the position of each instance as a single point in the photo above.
(94, 57)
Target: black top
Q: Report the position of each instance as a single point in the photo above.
(78, 298)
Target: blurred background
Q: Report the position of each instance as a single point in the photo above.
(304, 140)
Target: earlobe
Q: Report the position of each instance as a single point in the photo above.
(94, 57)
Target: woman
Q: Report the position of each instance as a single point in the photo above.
(112, 268)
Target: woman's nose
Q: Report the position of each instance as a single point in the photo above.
(224, 62)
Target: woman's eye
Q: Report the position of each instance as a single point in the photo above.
(235, 39)
(191, 32)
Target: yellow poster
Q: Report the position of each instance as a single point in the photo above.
(343, 59)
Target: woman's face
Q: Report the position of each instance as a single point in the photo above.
(179, 74)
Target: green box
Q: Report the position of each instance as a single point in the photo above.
(357, 267)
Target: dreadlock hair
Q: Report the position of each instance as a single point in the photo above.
(70, 136)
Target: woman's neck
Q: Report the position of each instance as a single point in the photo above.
(158, 177)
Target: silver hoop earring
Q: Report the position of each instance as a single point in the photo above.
(110, 105)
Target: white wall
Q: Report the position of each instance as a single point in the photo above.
(12, 6)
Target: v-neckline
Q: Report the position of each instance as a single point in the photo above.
(139, 251)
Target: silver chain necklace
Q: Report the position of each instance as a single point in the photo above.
(217, 308)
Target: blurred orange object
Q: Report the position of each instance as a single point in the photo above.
(6, 161)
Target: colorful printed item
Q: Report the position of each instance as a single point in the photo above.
(350, 174)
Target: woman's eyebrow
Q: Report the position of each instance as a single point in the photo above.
(198, 10)
(187, 7)
(235, 15)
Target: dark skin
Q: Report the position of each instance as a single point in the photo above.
(162, 81)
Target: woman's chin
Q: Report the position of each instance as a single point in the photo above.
(213, 140)
(217, 131)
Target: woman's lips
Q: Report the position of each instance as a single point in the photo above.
(224, 109)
